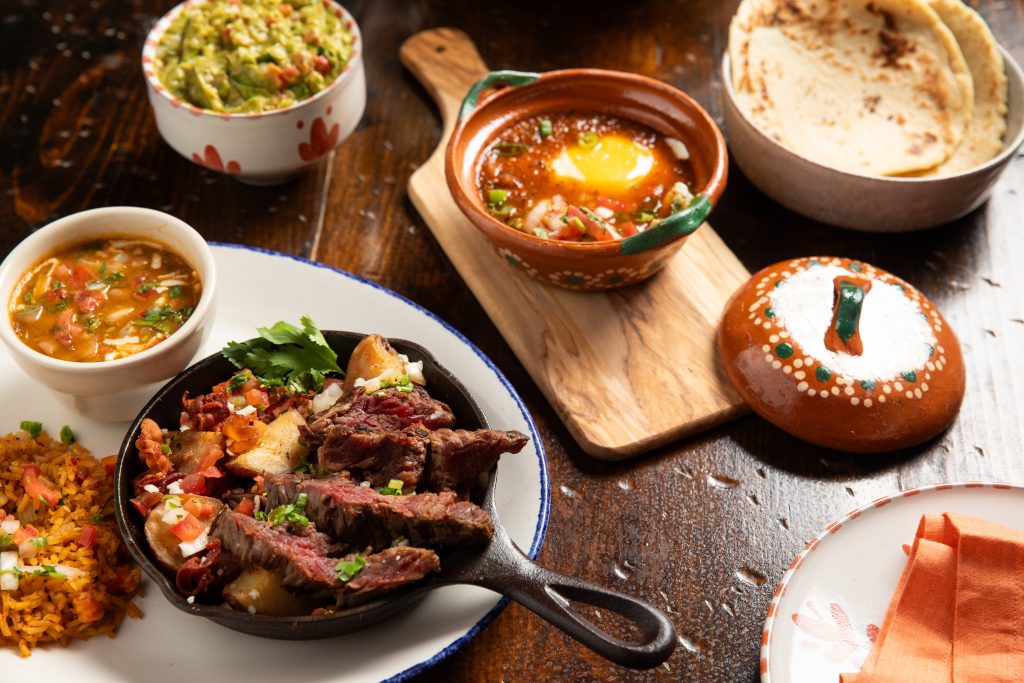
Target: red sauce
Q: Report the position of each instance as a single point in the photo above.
(583, 177)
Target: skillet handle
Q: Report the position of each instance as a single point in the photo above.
(548, 594)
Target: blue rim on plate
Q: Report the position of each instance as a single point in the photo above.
(545, 488)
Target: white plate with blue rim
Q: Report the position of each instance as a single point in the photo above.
(258, 288)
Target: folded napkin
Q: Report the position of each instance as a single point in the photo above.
(957, 615)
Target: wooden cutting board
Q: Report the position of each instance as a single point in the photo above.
(627, 370)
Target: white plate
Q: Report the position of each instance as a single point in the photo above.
(826, 612)
(260, 288)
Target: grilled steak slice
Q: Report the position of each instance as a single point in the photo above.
(386, 571)
(384, 410)
(362, 517)
(299, 554)
(379, 456)
(301, 557)
(458, 457)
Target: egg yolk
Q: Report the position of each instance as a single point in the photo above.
(614, 163)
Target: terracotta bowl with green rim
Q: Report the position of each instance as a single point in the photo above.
(585, 265)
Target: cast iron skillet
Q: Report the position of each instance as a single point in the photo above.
(500, 566)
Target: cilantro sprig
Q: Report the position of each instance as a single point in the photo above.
(286, 355)
(347, 570)
(291, 513)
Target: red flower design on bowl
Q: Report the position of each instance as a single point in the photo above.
(211, 159)
(320, 140)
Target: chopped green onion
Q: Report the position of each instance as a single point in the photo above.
(646, 217)
(6, 539)
(347, 570)
(41, 541)
(575, 220)
(543, 234)
(67, 437)
(545, 128)
(497, 197)
(57, 284)
(165, 449)
(394, 488)
(34, 429)
(502, 210)
(97, 517)
(27, 298)
(588, 140)
(49, 570)
(146, 287)
(510, 149)
(290, 513)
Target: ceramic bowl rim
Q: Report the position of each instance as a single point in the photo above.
(35, 245)
(1013, 72)
(161, 26)
(714, 187)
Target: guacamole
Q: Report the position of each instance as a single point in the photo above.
(252, 55)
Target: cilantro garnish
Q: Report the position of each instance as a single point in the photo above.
(67, 437)
(164, 318)
(287, 514)
(175, 291)
(347, 570)
(285, 354)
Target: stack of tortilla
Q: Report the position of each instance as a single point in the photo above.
(874, 87)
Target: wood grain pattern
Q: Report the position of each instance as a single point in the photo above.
(677, 526)
(627, 370)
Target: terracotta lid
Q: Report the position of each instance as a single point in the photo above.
(842, 354)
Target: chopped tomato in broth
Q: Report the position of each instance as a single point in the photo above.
(584, 177)
(104, 299)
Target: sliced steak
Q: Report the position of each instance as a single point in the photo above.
(378, 456)
(458, 457)
(298, 554)
(386, 571)
(384, 410)
(363, 517)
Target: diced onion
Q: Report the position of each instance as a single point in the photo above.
(678, 148)
(604, 212)
(247, 410)
(193, 547)
(122, 341)
(327, 398)
(8, 559)
(150, 488)
(10, 525)
(8, 582)
(175, 487)
(415, 372)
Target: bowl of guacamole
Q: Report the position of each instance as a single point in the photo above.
(256, 89)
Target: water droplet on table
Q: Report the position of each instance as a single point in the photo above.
(720, 481)
(568, 491)
(750, 577)
(689, 643)
(624, 485)
(622, 571)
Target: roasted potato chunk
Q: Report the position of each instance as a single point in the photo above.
(373, 357)
(188, 449)
(278, 451)
(259, 591)
(171, 511)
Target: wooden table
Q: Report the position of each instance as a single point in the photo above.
(704, 528)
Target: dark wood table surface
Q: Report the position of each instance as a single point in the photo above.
(704, 528)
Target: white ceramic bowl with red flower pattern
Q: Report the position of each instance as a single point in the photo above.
(259, 148)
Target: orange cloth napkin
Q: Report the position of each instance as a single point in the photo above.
(957, 615)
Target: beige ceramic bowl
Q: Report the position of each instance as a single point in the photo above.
(113, 390)
(870, 203)
(263, 148)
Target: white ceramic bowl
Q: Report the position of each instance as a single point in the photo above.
(861, 202)
(263, 148)
(111, 390)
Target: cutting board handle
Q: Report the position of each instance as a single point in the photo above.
(446, 62)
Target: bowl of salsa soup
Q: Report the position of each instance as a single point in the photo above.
(268, 143)
(584, 178)
(58, 333)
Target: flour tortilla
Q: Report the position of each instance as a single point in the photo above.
(875, 87)
(984, 137)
